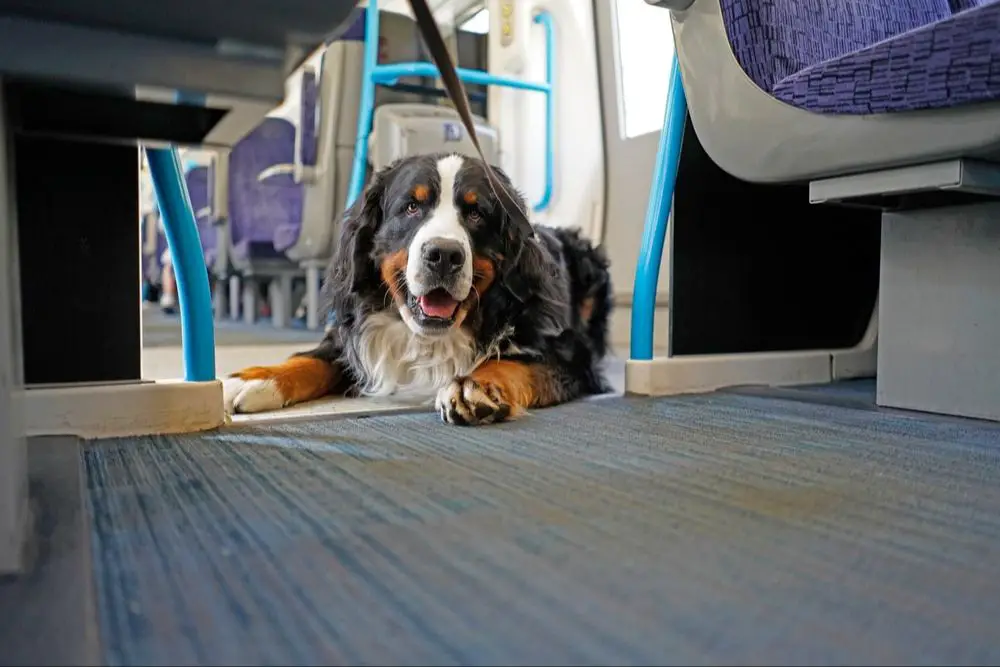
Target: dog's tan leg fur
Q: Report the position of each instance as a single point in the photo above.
(296, 380)
(496, 391)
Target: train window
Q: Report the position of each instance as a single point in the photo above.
(478, 23)
(645, 52)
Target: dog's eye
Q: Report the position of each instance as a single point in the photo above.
(412, 208)
(474, 216)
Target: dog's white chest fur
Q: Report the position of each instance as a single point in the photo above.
(397, 361)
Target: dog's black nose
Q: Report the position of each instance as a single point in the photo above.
(444, 256)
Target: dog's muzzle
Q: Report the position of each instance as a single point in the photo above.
(442, 259)
(440, 282)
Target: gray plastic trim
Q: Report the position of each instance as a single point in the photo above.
(956, 175)
(14, 515)
(108, 58)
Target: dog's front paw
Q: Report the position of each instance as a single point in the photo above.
(263, 388)
(245, 395)
(468, 402)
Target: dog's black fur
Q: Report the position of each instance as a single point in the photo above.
(545, 303)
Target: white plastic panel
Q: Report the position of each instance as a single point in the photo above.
(630, 162)
(578, 187)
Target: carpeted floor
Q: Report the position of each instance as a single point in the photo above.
(160, 330)
(719, 529)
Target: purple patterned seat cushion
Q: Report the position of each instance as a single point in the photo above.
(947, 63)
(197, 185)
(774, 39)
(256, 208)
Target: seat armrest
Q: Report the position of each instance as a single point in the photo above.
(299, 172)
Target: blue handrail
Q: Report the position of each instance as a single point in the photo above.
(661, 196)
(188, 259)
(545, 20)
(374, 74)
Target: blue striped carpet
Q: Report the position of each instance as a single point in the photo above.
(716, 529)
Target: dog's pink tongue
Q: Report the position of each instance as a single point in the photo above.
(438, 304)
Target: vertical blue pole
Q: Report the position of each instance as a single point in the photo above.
(545, 20)
(661, 196)
(193, 294)
(367, 106)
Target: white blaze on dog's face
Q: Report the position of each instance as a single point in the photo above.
(439, 257)
(439, 235)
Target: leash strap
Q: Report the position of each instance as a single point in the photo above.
(456, 91)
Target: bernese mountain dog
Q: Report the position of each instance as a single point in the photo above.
(436, 294)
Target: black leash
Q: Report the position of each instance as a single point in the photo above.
(456, 91)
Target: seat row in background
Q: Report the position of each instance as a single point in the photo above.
(267, 210)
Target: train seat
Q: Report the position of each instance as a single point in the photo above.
(792, 90)
(889, 105)
(197, 179)
(288, 233)
(258, 207)
(317, 160)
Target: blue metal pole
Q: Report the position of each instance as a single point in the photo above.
(391, 73)
(193, 294)
(661, 196)
(545, 20)
(373, 74)
(367, 106)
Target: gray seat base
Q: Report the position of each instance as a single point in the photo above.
(939, 311)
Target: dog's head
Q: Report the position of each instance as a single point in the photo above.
(428, 238)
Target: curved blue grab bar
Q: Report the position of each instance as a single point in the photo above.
(190, 274)
(545, 20)
(661, 196)
(390, 74)
(374, 74)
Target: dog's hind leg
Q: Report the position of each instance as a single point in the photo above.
(303, 377)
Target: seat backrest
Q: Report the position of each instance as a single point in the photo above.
(335, 116)
(402, 130)
(773, 39)
(257, 208)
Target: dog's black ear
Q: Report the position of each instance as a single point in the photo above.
(352, 268)
(524, 267)
(513, 233)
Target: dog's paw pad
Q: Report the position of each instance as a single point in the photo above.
(467, 402)
(246, 396)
